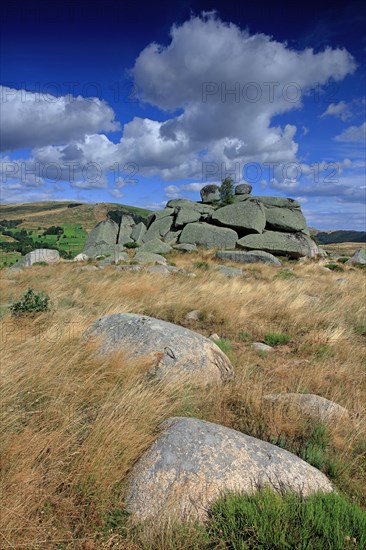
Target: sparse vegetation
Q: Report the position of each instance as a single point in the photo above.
(74, 422)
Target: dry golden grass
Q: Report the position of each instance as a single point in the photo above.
(74, 422)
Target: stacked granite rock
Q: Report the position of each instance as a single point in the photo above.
(273, 225)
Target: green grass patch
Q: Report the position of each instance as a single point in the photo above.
(270, 521)
(276, 339)
(224, 345)
(285, 274)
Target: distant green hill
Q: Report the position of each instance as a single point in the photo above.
(332, 237)
(60, 225)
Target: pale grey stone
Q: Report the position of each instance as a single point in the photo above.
(193, 463)
(173, 349)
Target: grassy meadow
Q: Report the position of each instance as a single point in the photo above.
(74, 422)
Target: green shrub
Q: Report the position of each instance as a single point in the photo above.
(334, 267)
(224, 345)
(276, 338)
(269, 521)
(30, 303)
(131, 244)
(41, 263)
(342, 260)
(285, 274)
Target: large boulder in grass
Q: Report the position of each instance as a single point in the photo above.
(254, 256)
(145, 257)
(44, 255)
(294, 245)
(358, 258)
(210, 193)
(285, 219)
(208, 236)
(193, 463)
(308, 405)
(246, 216)
(174, 350)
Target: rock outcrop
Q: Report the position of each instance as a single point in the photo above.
(192, 463)
(274, 225)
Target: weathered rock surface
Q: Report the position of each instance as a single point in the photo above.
(277, 201)
(307, 404)
(172, 236)
(192, 463)
(158, 228)
(138, 232)
(185, 247)
(359, 257)
(185, 203)
(47, 255)
(173, 349)
(228, 271)
(159, 214)
(243, 189)
(144, 257)
(248, 215)
(156, 246)
(186, 215)
(104, 232)
(251, 257)
(284, 219)
(208, 236)
(124, 235)
(210, 193)
(294, 245)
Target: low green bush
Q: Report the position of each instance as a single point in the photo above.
(131, 244)
(276, 339)
(30, 303)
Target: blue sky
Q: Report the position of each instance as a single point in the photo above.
(144, 103)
